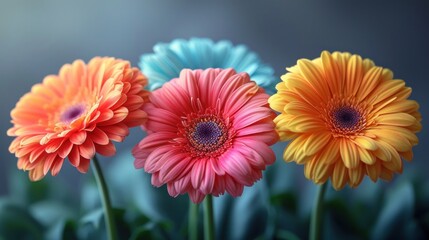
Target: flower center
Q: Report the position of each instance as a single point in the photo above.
(72, 112)
(206, 135)
(345, 117)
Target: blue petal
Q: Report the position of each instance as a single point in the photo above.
(169, 59)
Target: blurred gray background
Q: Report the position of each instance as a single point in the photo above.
(38, 37)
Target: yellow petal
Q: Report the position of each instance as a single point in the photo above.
(339, 176)
(349, 154)
(304, 124)
(298, 107)
(332, 72)
(366, 142)
(355, 176)
(369, 82)
(314, 77)
(354, 75)
(383, 152)
(365, 156)
(395, 139)
(395, 165)
(322, 172)
(373, 171)
(400, 106)
(330, 153)
(293, 147)
(396, 119)
(386, 174)
(407, 155)
(315, 142)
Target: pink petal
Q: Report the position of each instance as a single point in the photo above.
(84, 165)
(258, 153)
(116, 132)
(240, 97)
(216, 167)
(36, 153)
(171, 98)
(105, 115)
(48, 163)
(136, 118)
(78, 138)
(65, 149)
(174, 167)
(183, 184)
(219, 186)
(213, 91)
(56, 167)
(54, 145)
(236, 165)
(208, 181)
(155, 180)
(157, 159)
(87, 149)
(249, 117)
(134, 102)
(99, 137)
(107, 150)
(160, 119)
(74, 156)
(172, 190)
(119, 115)
(197, 173)
(232, 187)
(196, 196)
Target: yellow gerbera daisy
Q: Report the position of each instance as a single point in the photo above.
(346, 117)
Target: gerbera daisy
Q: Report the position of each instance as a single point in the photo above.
(346, 117)
(76, 114)
(169, 59)
(208, 132)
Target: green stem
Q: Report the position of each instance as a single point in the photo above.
(317, 213)
(105, 200)
(193, 221)
(209, 233)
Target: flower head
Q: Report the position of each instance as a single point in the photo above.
(347, 118)
(202, 53)
(208, 132)
(76, 114)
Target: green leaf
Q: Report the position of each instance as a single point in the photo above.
(63, 229)
(150, 231)
(397, 212)
(49, 212)
(93, 218)
(17, 223)
(286, 200)
(93, 224)
(25, 191)
(139, 194)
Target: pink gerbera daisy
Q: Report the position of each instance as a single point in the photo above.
(208, 132)
(76, 114)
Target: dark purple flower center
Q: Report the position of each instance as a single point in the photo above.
(207, 133)
(72, 113)
(346, 117)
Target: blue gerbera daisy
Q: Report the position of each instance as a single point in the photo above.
(169, 59)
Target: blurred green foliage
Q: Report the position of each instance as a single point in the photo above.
(277, 207)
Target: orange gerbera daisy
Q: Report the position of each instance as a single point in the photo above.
(346, 118)
(76, 114)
